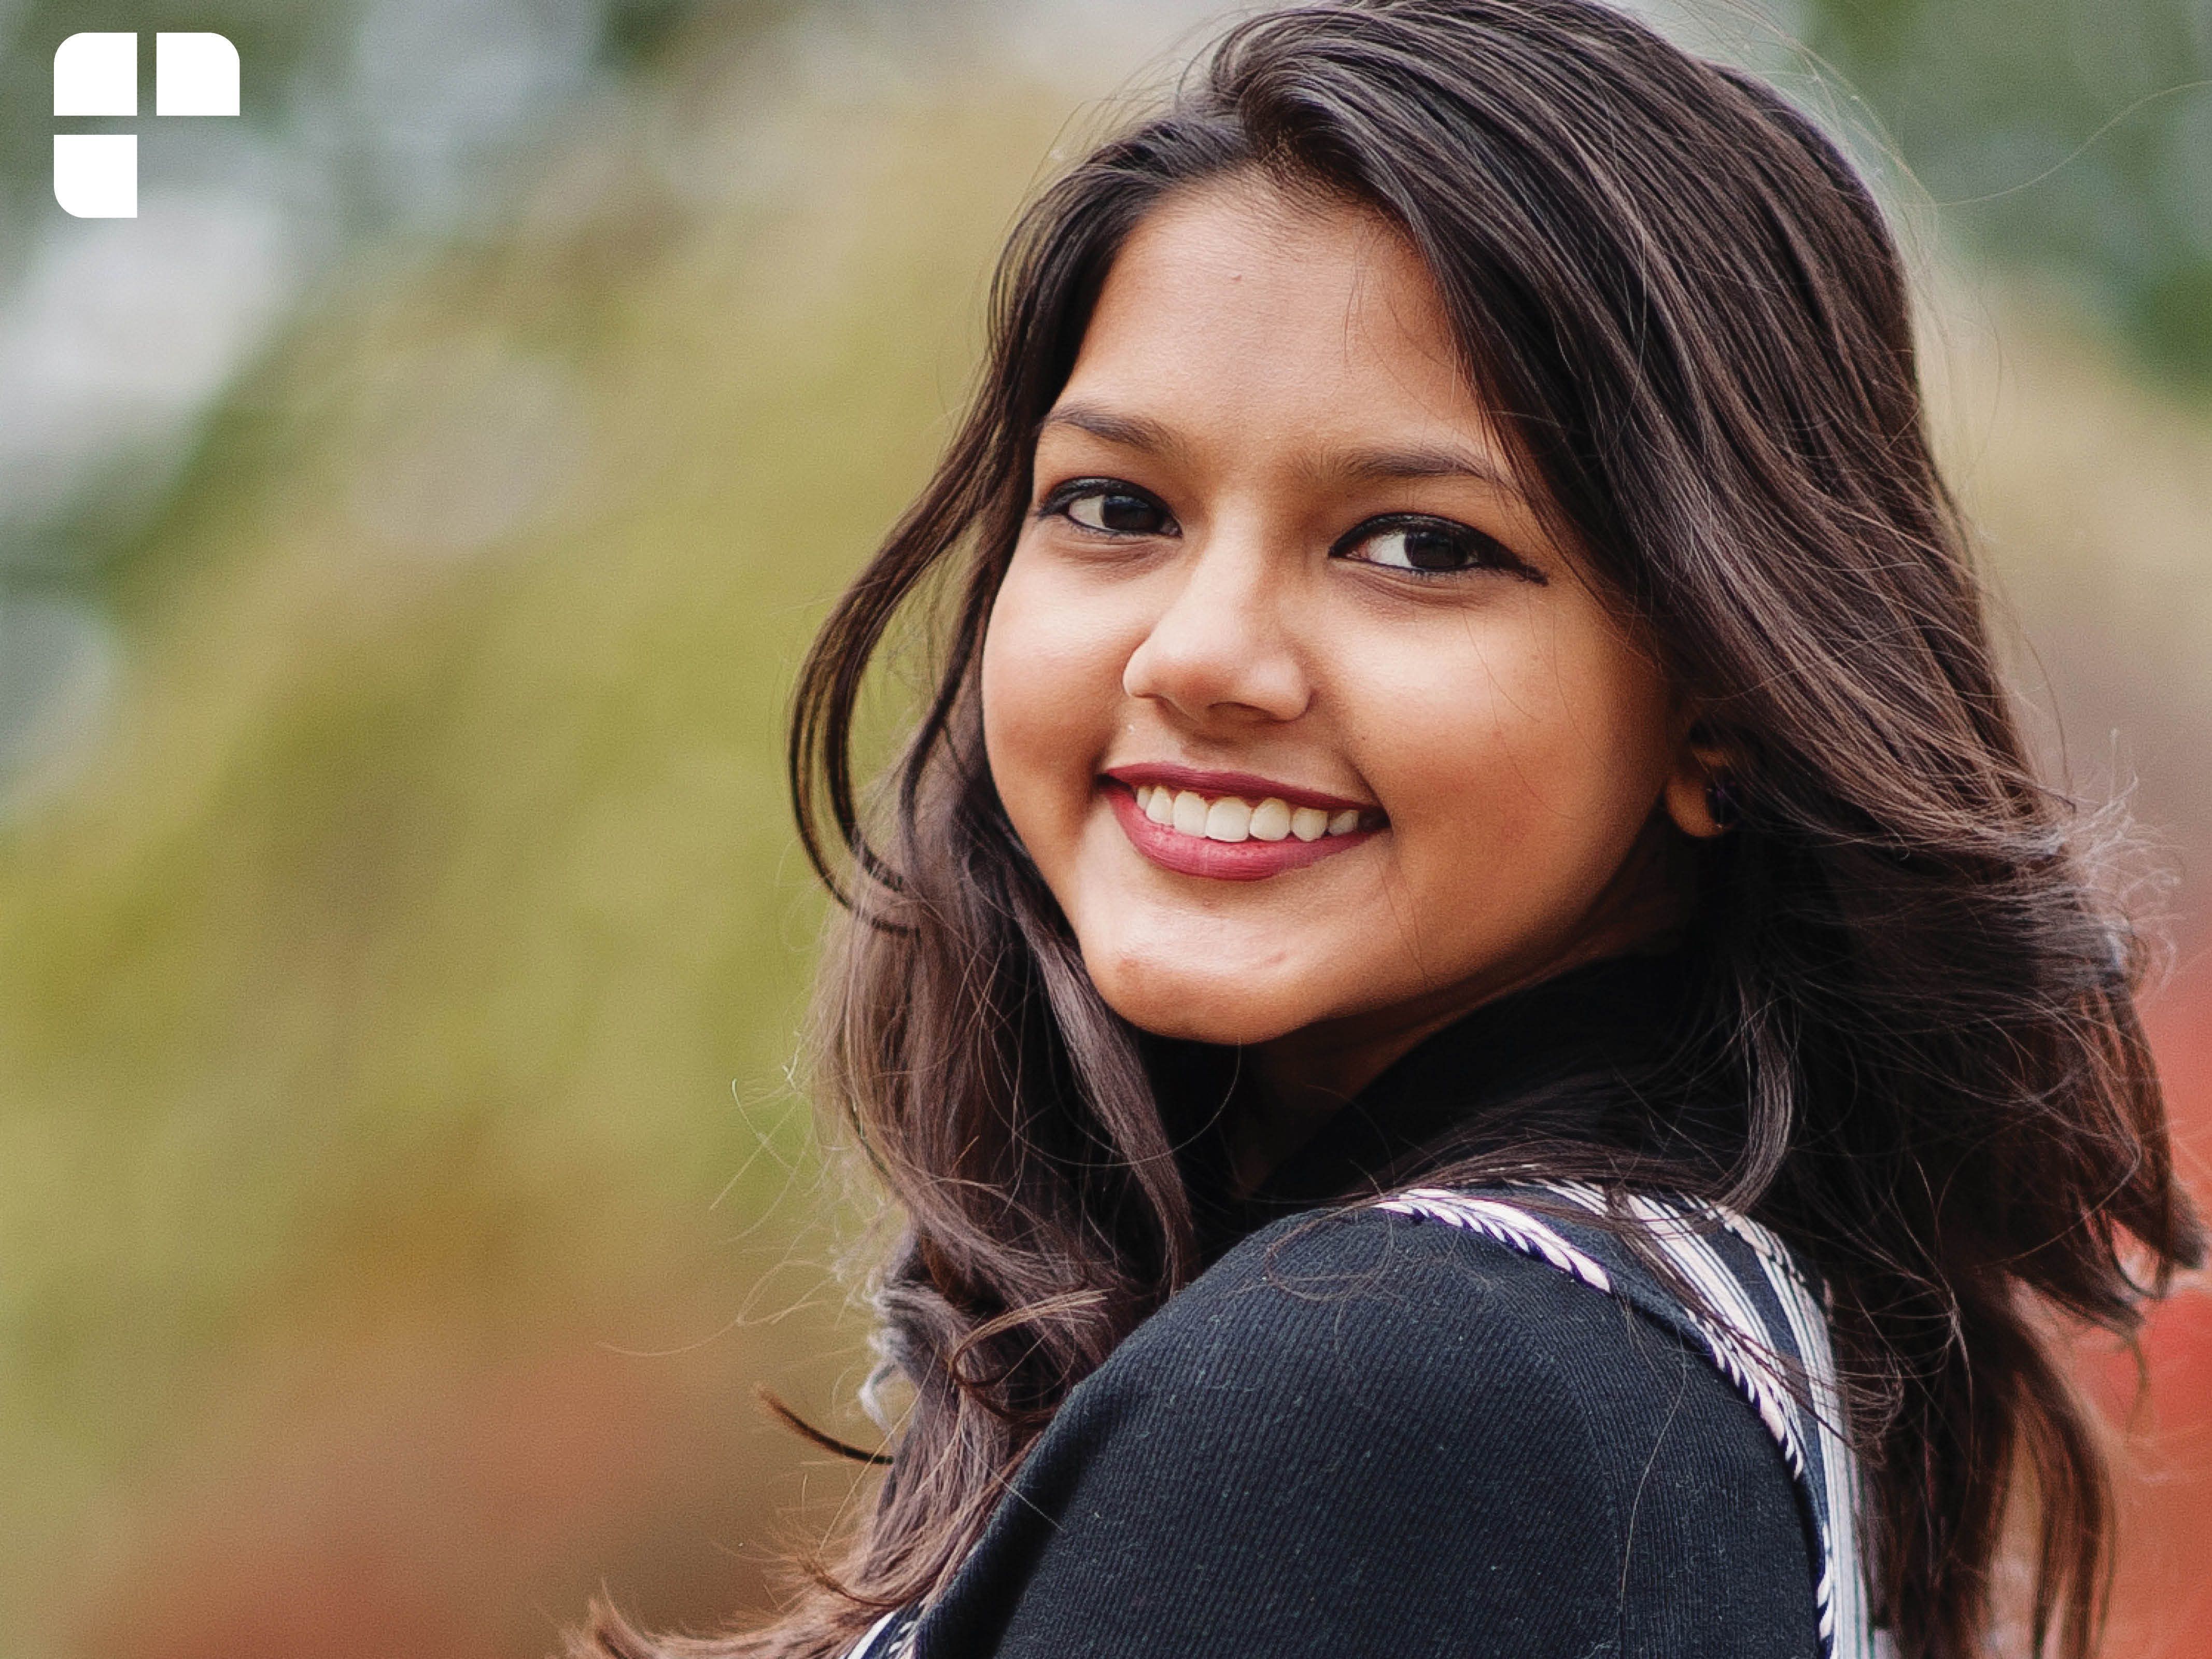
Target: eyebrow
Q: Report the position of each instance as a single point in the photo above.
(1389, 465)
(1129, 431)
(1336, 466)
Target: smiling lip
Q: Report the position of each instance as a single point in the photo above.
(1222, 860)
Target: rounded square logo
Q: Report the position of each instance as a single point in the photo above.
(195, 75)
(96, 74)
(96, 174)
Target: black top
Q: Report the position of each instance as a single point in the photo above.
(1357, 1435)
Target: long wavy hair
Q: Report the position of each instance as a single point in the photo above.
(1685, 309)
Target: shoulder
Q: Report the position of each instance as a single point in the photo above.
(1369, 1310)
(1356, 1425)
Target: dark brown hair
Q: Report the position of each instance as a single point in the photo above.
(1685, 307)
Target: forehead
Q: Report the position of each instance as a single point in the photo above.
(1238, 302)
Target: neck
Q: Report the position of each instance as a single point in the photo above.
(1302, 1079)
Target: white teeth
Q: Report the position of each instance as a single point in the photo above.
(1228, 819)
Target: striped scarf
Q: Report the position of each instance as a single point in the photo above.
(1763, 1324)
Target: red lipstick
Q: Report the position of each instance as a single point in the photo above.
(1223, 860)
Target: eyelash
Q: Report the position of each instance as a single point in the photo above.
(1057, 503)
(1493, 555)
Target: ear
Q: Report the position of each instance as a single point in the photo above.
(1699, 762)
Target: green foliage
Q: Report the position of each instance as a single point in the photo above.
(2068, 139)
(430, 934)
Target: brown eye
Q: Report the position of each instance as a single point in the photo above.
(1421, 547)
(1430, 547)
(1118, 512)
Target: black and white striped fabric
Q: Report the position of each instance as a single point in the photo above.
(890, 1637)
(1769, 1337)
(1770, 1327)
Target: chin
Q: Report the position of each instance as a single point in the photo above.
(1201, 1007)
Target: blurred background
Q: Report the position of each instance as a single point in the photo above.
(408, 526)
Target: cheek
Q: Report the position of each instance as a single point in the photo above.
(1051, 683)
(1534, 756)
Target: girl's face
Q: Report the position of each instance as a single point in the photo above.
(1318, 737)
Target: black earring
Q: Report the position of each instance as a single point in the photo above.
(1720, 802)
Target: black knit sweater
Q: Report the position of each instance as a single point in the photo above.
(1356, 1435)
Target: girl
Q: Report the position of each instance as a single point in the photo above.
(1486, 1041)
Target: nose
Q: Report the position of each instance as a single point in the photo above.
(1224, 646)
